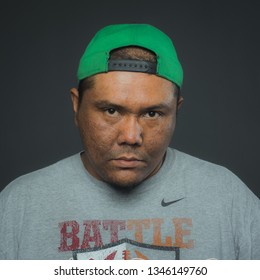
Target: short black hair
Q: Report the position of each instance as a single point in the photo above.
(84, 85)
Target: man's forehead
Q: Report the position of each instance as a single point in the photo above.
(137, 89)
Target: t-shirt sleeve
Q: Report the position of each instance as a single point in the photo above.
(12, 205)
(2, 250)
(246, 221)
(255, 237)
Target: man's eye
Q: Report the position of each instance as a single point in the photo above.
(110, 111)
(152, 114)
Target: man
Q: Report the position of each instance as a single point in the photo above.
(128, 195)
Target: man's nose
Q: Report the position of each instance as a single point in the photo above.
(130, 132)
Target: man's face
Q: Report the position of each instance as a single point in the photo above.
(126, 122)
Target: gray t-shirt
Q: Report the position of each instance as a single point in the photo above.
(191, 209)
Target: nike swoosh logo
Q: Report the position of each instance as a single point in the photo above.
(164, 204)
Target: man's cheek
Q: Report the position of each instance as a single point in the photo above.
(98, 140)
(159, 135)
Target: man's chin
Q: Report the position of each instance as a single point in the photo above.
(127, 178)
(126, 183)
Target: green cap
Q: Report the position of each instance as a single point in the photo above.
(96, 56)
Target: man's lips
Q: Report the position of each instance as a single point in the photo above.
(127, 162)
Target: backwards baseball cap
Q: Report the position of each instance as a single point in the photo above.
(96, 58)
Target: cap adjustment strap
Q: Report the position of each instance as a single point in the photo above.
(132, 65)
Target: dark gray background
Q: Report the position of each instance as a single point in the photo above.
(218, 43)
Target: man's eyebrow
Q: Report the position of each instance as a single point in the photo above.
(159, 106)
(106, 103)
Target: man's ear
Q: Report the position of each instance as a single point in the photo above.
(179, 102)
(75, 103)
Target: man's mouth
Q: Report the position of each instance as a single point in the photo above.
(128, 162)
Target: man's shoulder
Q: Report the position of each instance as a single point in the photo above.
(56, 172)
(200, 172)
(195, 163)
